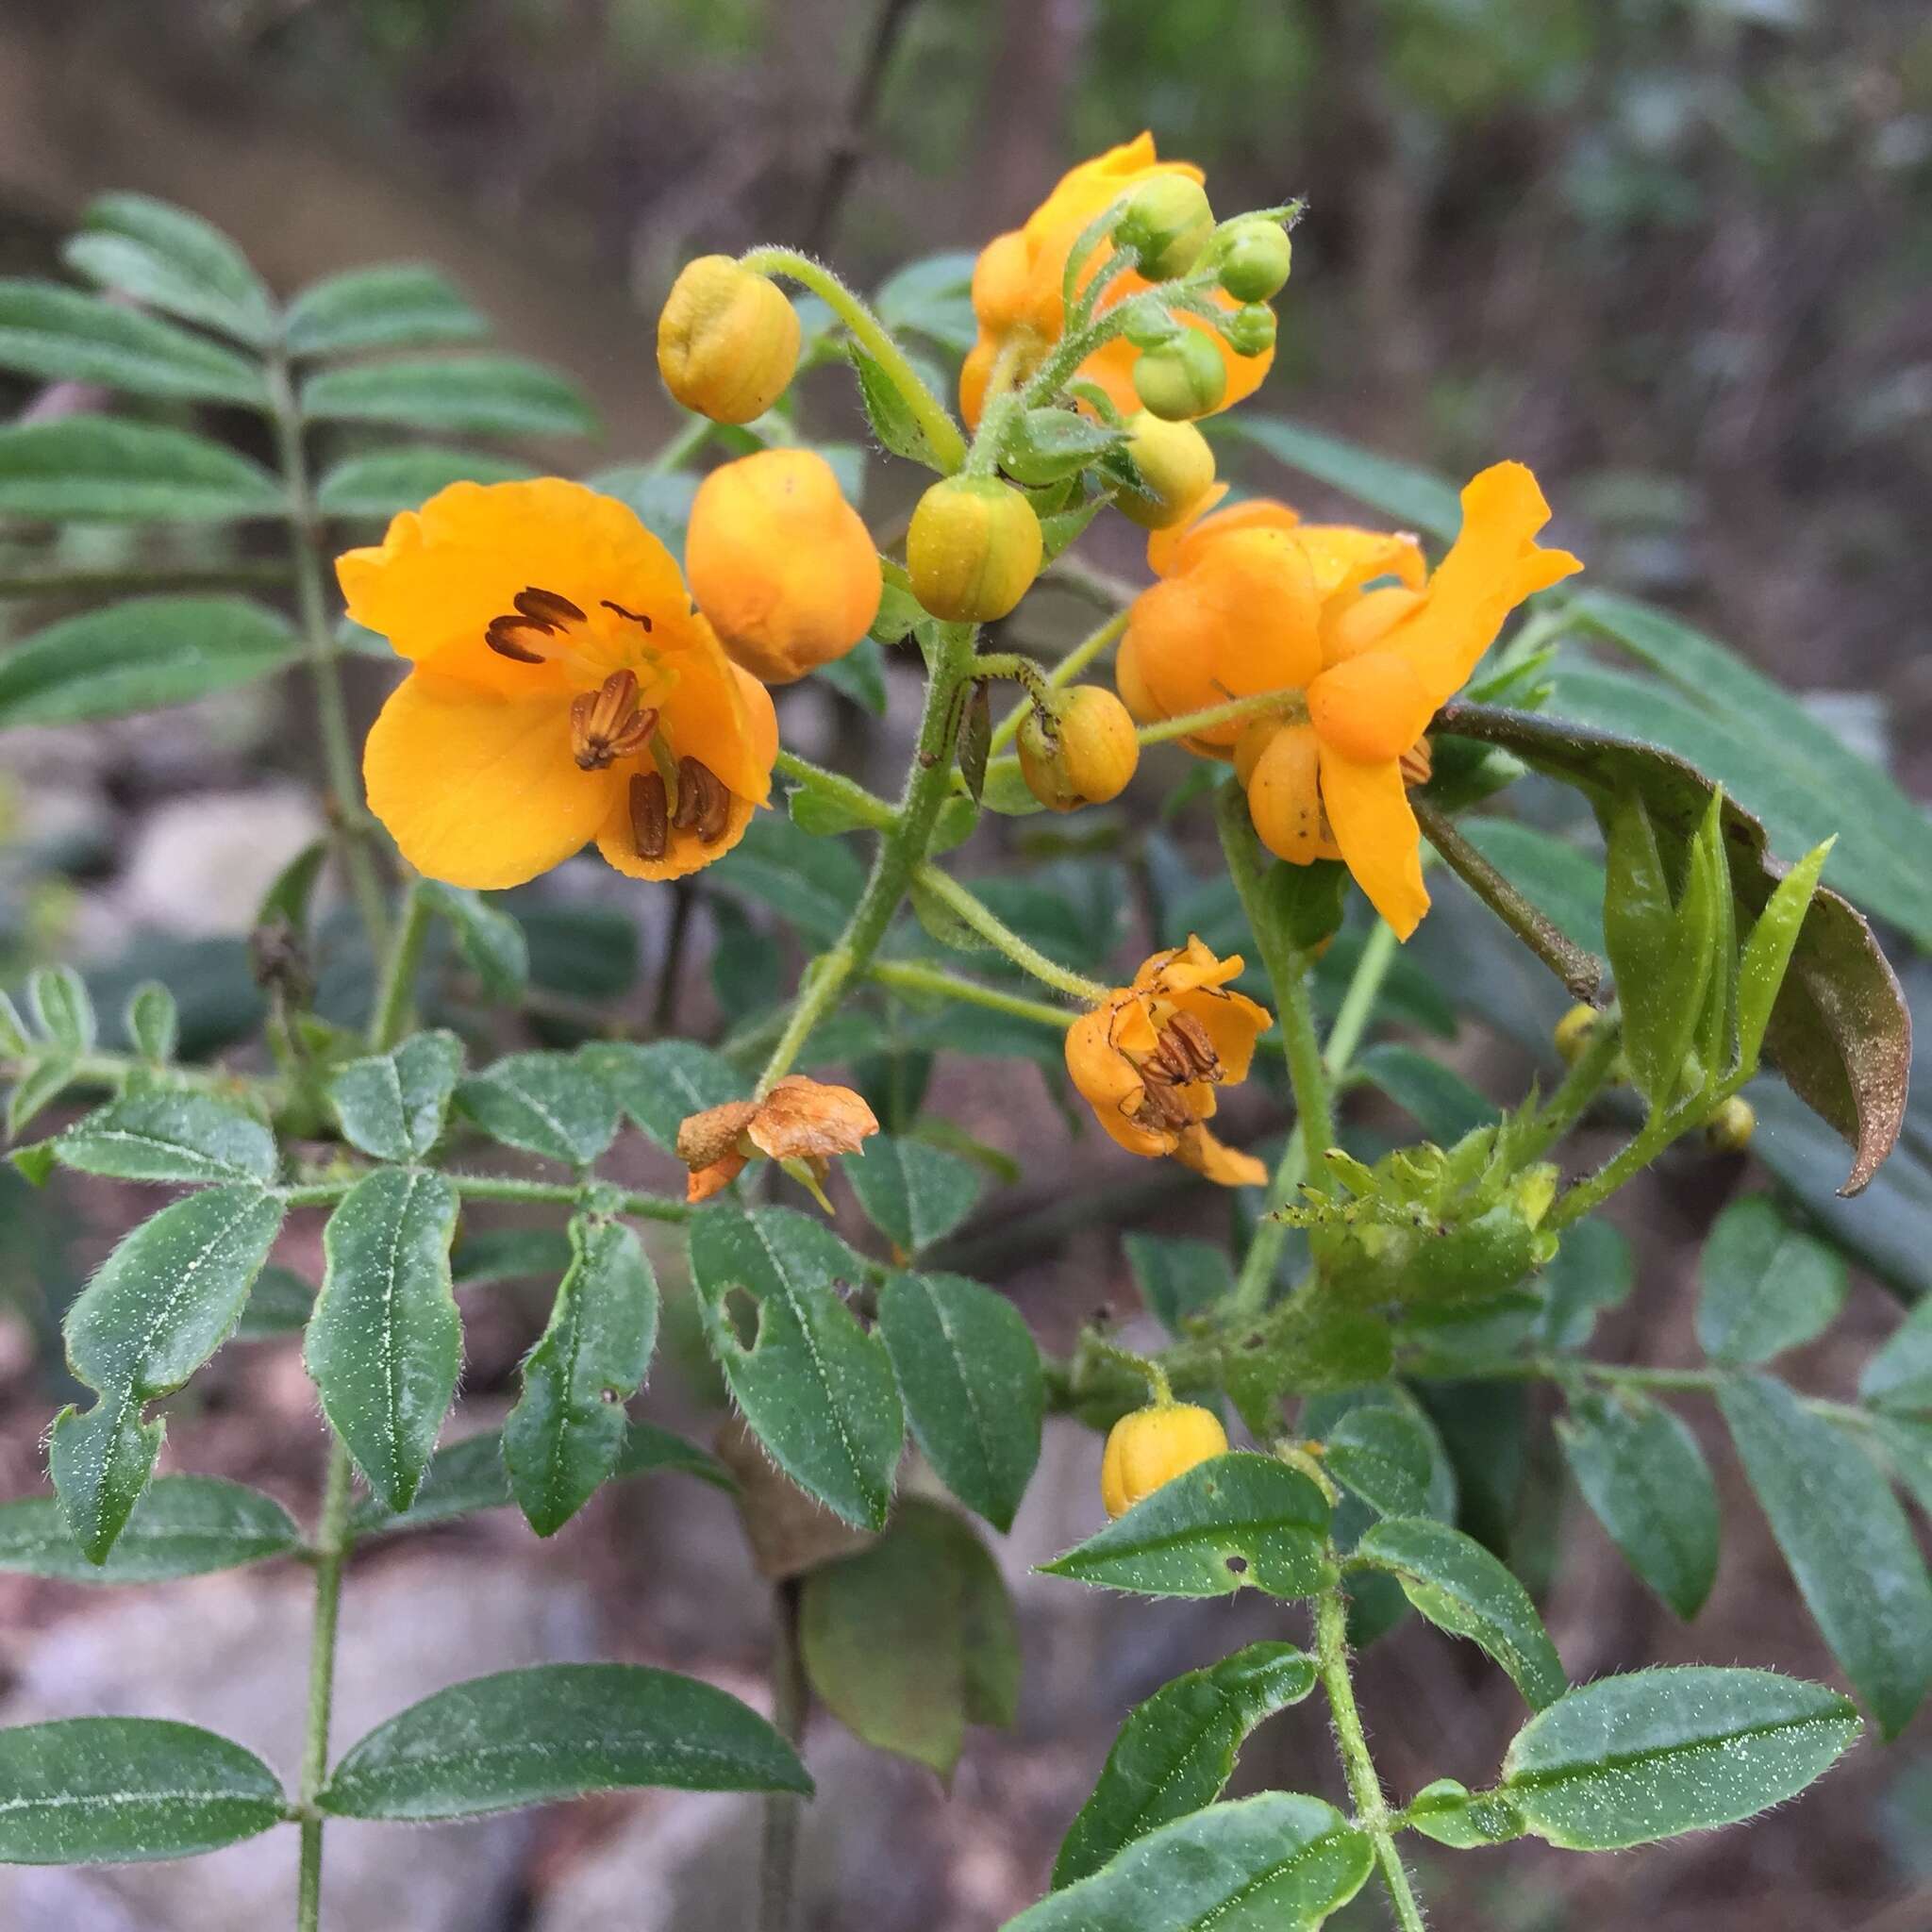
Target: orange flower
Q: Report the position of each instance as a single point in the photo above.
(1149, 1056)
(1252, 600)
(564, 688)
(798, 1120)
(1017, 294)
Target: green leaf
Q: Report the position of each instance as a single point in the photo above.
(140, 655)
(509, 1254)
(1392, 1461)
(1594, 1270)
(894, 425)
(661, 498)
(1659, 951)
(96, 468)
(115, 1791)
(1764, 1286)
(487, 396)
(1460, 1587)
(385, 1341)
(563, 1437)
(280, 1304)
(1277, 1863)
(163, 1303)
(1563, 882)
(552, 1104)
(814, 883)
(1416, 499)
(14, 1042)
(392, 1105)
(1767, 955)
(185, 1525)
(489, 940)
(530, 1737)
(1176, 1751)
(932, 298)
(1907, 1440)
(388, 480)
(394, 305)
(170, 260)
(1233, 1520)
(1451, 1814)
(153, 1022)
(1642, 1471)
(912, 1194)
(1899, 1377)
(59, 997)
(58, 335)
(1178, 1278)
(1846, 1539)
(1048, 445)
(860, 675)
(1632, 1758)
(969, 1375)
(1445, 1104)
(814, 1386)
(163, 1136)
(912, 1639)
(660, 1085)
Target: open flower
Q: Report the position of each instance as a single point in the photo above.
(1017, 284)
(799, 1120)
(1252, 600)
(564, 688)
(1149, 1058)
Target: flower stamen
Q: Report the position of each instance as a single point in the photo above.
(502, 636)
(704, 802)
(549, 608)
(607, 725)
(1183, 1052)
(1417, 763)
(650, 815)
(633, 616)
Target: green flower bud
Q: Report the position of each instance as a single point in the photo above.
(1254, 260)
(1250, 330)
(1183, 378)
(1167, 221)
(1176, 467)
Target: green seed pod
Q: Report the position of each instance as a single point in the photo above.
(1167, 221)
(1183, 378)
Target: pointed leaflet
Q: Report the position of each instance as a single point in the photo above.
(1846, 1539)
(163, 1303)
(500, 395)
(385, 1340)
(661, 1085)
(59, 335)
(379, 485)
(392, 1105)
(563, 1437)
(1899, 1377)
(392, 306)
(552, 1104)
(184, 1525)
(529, 1736)
(1176, 1751)
(100, 469)
(168, 259)
(912, 1194)
(162, 1136)
(817, 1389)
(970, 1377)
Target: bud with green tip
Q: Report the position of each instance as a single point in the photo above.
(1250, 330)
(1256, 257)
(1167, 221)
(1176, 467)
(1183, 378)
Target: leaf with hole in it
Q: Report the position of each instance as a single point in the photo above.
(184, 1525)
(163, 1303)
(169, 258)
(970, 1378)
(489, 395)
(117, 1790)
(912, 1194)
(1393, 1461)
(392, 1105)
(101, 470)
(1763, 1287)
(1233, 1520)
(910, 1641)
(1846, 1539)
(385, 1341)
(1460, 1587)
(816, 1388)
(530, 1737)
(57, 334)
(1280, 1862)
(1631, 1758)
(1839, 1030)
(660, 1085)
(140, 655)
(1642, 1471)
(1176, 1751)
(394, 306)
(385, 481)
(563, 1437)
(554, 1104)
(1178, 1278)
(164, 1136)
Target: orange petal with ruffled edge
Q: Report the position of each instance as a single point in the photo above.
(1105, 1078)
(1368, 805)
(1178, 547)
(1232, 1022)
(478, 790)
(807, 1120)
(1344, 558)
(1180, 968)
(1215, 1160)
(1369, 707)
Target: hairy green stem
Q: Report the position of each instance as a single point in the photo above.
(1062, 674)
(391, 1017)
(505, 1187)
(865, 806)
(332, 1547)
(981, 918)
(1664, 1126)
(1291, 702)
(906, 975)
(782, 1810)
(1581, 1084)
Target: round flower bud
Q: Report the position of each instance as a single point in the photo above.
(1167, 221)
(1729, 1130)
(727, 341)
(1183, 378)
(1255, 260)
(1085, 758)
(1573, 1032)
(972, 549)
(1250, 331)
(781, 564)
(1176, 465)
(1152, 1446)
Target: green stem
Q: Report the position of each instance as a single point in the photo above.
(504, 1187)
(865, 806)
(331, 1550)
(1663, 1126)
(910, 977)
(681, 445)
(1350, 1744)
(1287, 704)
(1149, 1370)
(979, 917)
(112, 1071)
(391, 1016)
(938, 426)
(1580, 1086)
(1062, 674)
(791, 1702)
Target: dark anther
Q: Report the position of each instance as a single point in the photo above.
(704, 802)
(1184, 1052)
(650, 815)
(546, 607)
(607, 725)
(635, 616)
(505, 637)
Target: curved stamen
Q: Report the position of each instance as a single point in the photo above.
(507, 637)
(704, 802)
(633, 616)
(548, 608)
(607, 725)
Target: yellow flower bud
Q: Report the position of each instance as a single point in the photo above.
(727, 341)
(1729, 1130)
(1152, 1446)
(1175, 465)
(1183, 378)
(781, 564)
(1167, 221)
(973, 550)
(1255, 260)
(1573, 1032)
(1085, 758)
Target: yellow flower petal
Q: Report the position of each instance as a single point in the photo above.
(1285, 797)
(1215, 1160)
(1104, 1075)
(1368, 805)
(1369, 707)
(478, 790)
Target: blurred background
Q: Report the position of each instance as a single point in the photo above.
(1675, 253)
